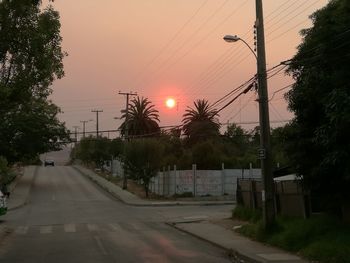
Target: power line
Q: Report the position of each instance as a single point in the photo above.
(97, 112)
(174, 37)
(180, 47)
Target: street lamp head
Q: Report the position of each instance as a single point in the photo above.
(230, 38)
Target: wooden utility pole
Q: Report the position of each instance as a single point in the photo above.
(97, 112)
(265, 155)
(84, 123)
(76, 134)
(127, 94)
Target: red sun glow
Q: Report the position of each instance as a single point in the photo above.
(170, 103)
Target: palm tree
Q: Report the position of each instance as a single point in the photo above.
(201, 122)
(143, 118)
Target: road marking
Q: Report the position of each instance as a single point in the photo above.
(92, 227)
(115, 227)
(136, 226)
(100, 245)
(69, 228)
(21, 230)
(46, 230)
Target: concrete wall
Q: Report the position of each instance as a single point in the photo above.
(171, 181)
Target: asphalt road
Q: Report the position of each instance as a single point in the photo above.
(69, 219)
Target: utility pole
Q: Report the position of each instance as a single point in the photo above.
(84, 122)
(76, 134)
(97, 112)
(265, 155)
(127, 94)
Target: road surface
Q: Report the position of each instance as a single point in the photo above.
(69, 219)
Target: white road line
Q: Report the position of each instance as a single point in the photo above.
(92, 227)
(136, 226)
(46, 230)
(69, 228)
(115, 227)
(100, 245)
(21, 230)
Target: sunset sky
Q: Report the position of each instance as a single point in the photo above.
(171, 48)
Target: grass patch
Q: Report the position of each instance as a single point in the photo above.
(246, 214)
(320, 238)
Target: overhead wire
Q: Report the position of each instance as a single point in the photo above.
(172, 39)
(187, 40)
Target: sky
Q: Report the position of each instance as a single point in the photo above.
(172, 48)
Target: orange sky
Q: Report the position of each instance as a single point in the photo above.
(162, 48)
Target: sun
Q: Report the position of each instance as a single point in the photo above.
(170, 103)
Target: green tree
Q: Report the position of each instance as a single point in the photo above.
(320, 99)
(143, 158)
(92, 150)
(207, 155)
(143, 118)
(30, 60)
(200, 122)
(238, 136)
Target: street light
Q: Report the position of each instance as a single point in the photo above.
(235, 38)
(268, 202)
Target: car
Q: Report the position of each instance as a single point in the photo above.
(49, 162)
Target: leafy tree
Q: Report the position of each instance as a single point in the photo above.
(238, 136)
(279, 141)
(207, 155)
(93, 150)
(30, 60)
(320, 99)
(200, 122)
(143, 118)
(144, 159)
(116, 147)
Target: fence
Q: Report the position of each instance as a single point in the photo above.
(195, 182)
(290, 198)
(171, 181)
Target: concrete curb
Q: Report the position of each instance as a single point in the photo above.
(25, 200)
(230, 251)
(143, 203)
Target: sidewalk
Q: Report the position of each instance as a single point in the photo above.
(242, 249)
(20, 188)
(131, 199)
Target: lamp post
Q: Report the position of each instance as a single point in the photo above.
(268, 202)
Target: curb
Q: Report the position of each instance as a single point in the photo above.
(114, 195)
(26, 199)
(230, 251)
(154, 204)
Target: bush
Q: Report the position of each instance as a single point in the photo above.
(319, 238)
(6, 175)
(246, 214)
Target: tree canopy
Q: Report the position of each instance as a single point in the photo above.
(30, 60)
(141, 119)
(200, 122)
(320, 142)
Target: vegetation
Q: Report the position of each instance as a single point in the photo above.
(143, 159)
(142, 119)
(6, 175)
(321, 238)
(30, 60)
(318, 143)
(201, 122)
